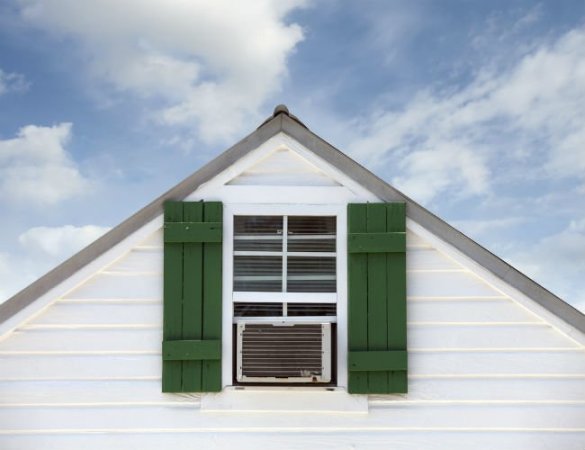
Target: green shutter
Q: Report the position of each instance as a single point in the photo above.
(377, 358)
(192, 297)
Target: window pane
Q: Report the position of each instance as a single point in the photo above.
(258, 233)
(311, 234)
(257, 309)
(257, 274)
(309, 274)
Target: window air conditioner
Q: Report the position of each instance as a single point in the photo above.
(283, 353)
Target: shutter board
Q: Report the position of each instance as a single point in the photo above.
(212, 275)
(192, 295)
(357, 296)
(173, 305)
(377, 297)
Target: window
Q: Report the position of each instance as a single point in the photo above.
(284, 298)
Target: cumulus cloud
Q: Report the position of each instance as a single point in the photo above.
(60, 241)
(451, 141)
(211, 64)
(12, 82)
(36, 167)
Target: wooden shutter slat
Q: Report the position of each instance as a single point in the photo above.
(212, 277)
(377, 312)
(376, 242)
(192, 294)
(396, 272)
(378, 360)
(173, 294)
(193, 231)
(192, 351)
(357, 304)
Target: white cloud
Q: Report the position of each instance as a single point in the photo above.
(210, 63)
(12, 82)
(557, 262)
(60, 241)
(35, 166)
(528, 114)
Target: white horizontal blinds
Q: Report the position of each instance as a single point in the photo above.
(258, 244)
(311, 264)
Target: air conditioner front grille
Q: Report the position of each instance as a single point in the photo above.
(274, 353)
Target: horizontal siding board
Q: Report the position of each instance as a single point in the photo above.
(485, 337)
(429, 259)
(156, 239)
(63, 367)
(415, 241)
(101, 313)
(115, 392)
(389, 417)
(23, 392)
(140, 260)
(120, 286)
(447, 284)
(377, 440)
(488, 389)
(496, 310)
(501, 362)
(104, 339)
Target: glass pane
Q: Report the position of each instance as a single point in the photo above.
(310, 274)
(311, 234)
(257, 273)
(258, 233)
(311, 309)
(257, 309)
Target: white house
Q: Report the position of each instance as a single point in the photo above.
(307, 304)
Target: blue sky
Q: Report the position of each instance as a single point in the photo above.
(474, 109)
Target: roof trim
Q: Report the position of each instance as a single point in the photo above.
(282, 122)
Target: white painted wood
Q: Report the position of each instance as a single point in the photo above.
(395, 417)
(84, 339)
(447, 284)
(496, 362)
(413, 240)
(341, 440)
(120, 286)
(283, 167)
(314, 195)
(152, 241)
(86, 366)
(467, 310)
(285, 400)
(140, 260)
(102, 313)
(491, 389)
(88, 393)
(485, 336)
(429, 259)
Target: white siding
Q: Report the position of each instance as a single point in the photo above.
(484, 371)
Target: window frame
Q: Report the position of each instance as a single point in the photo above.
(337, 210)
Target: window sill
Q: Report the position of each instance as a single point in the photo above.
(263, 399)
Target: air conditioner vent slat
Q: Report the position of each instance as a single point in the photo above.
(284, 354)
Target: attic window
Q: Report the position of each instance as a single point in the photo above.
(285, 300)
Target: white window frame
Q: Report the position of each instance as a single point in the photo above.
(337, 210)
